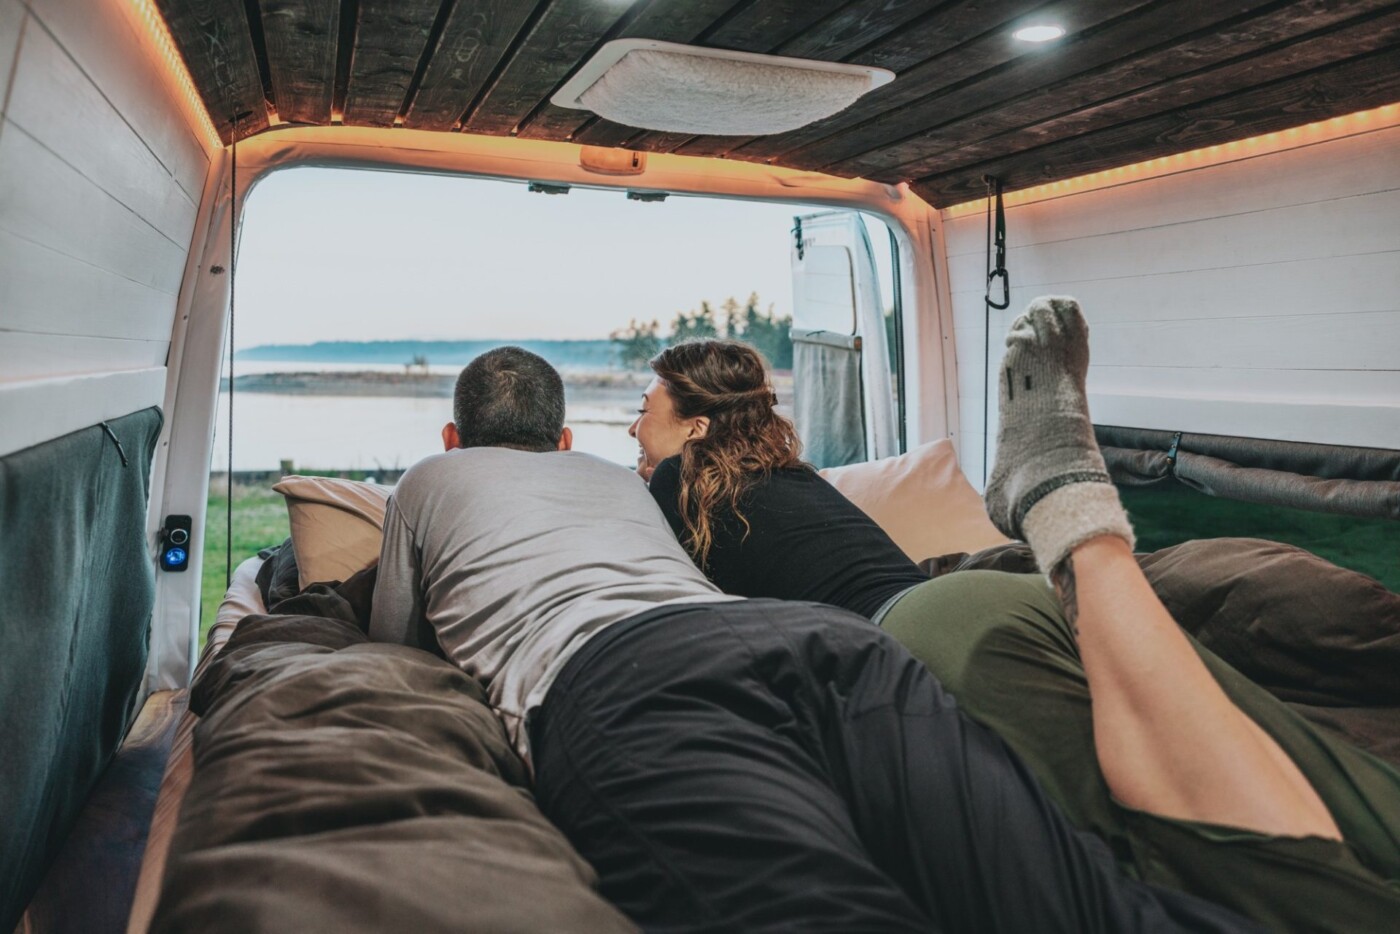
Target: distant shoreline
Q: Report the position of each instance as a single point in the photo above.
(581, 386)
(606, 387)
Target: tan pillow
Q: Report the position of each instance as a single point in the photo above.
(337, 525)
(922, 501)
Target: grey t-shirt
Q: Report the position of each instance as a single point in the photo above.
(517, 558)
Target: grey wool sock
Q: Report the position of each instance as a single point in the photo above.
(1050, 486)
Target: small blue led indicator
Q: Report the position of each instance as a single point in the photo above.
(174, 557)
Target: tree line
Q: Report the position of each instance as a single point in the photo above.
(765, 330)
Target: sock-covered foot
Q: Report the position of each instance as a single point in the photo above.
(1050, 486)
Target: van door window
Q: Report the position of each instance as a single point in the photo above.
(843, 386)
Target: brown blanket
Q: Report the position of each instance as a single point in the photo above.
(346, 786)
(1323, 639)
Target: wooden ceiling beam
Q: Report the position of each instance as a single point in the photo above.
(975, 141)
(1112, 38)
(854, 27)
(301, 38)
(763, 26)
(553, 45)
(667, 20)
(1109, 67)
(843, 35)
(214, 39)
(922, 55)
(1334, 90)
(477, 36)
(391, 45)
(767, 24)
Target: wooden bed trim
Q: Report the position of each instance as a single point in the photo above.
(179, 767)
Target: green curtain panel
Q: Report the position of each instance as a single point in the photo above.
(77, 585)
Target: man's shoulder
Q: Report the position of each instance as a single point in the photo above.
(509, 463)
(423, 471)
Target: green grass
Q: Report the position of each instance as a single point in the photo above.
(259, 521)
(1177, 514)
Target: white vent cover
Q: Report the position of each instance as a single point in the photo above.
(687, 89)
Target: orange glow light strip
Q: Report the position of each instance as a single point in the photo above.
(159, 34)
(1321, 131)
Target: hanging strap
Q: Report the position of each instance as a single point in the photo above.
(996, 237)
(232, 286)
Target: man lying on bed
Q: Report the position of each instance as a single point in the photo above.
(724, 764)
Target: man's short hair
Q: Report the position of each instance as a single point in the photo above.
(509, 398)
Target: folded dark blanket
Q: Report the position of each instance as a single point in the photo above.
(278, 578)
(341, 785)
(1319, 637)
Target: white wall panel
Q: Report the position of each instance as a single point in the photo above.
(44, 199)
(1364, 341)
(1316, 172)
(1344, 387)
(1258, 298)
(34, 412)
(26, 356)
(101, 172)
(44, 290)
(1324, 285)
(11, 24)
(102, 37)
(92, 137)
(1366, 223)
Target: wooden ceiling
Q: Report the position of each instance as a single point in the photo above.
(1132, 79)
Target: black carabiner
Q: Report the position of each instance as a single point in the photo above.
(996, 237)
(1005, 289)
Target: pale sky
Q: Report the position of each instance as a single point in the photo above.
(332, 254)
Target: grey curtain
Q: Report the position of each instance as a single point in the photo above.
(827, 406)
(1349, 481)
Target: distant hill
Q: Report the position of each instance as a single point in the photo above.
(591, 354)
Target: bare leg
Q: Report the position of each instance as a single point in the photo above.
(1169, 741)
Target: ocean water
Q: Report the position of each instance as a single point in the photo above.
(376, 433)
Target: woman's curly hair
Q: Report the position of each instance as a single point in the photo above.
(726, 381)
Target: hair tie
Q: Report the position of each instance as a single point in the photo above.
(761, 395)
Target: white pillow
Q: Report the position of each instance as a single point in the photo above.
(337, 525)
(922, 501)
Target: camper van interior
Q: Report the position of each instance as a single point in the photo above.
(198, 733)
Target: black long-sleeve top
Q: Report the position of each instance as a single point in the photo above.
(805, 542)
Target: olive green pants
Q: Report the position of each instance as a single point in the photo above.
(999, 642)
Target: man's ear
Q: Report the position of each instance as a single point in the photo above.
(699, 427)
(566, 439)
(450, 439)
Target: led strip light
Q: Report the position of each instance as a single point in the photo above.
(1278, 141)
(159, 34)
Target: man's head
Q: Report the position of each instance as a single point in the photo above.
(508, 398)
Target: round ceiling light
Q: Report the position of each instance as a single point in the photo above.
(1038, 33)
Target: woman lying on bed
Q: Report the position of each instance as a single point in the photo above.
(1196, 776)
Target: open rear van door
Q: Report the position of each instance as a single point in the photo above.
(843, 394)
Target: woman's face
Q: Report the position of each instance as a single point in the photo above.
(659, 433)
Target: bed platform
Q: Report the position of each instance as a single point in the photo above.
(312, 779)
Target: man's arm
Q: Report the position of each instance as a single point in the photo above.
(397, 615)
